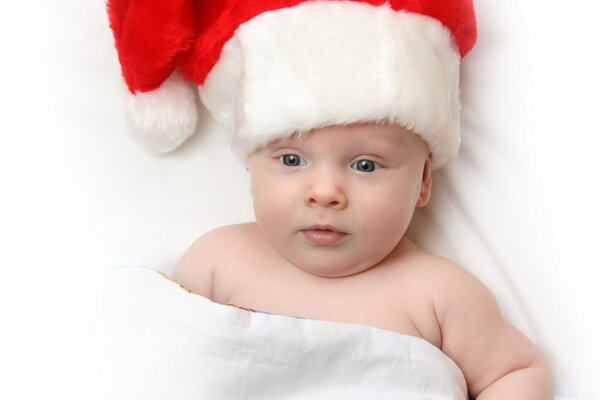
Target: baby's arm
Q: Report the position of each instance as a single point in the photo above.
(498, 361)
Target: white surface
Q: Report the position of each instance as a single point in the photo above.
(518, 207)
(140, 336)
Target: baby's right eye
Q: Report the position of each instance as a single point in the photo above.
(292, 160)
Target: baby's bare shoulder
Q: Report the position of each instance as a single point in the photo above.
(452, 288)
(229, 237)
(230, 230)
(239, 240)
(438, 274)
(211, 253)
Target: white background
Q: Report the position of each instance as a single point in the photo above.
(518, 207)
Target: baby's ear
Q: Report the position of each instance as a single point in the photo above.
(425, 184)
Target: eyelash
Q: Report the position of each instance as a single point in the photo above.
(375, 168)
(282, 158)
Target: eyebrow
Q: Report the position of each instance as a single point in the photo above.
(278, 143)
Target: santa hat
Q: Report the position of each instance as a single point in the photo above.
(271, 68)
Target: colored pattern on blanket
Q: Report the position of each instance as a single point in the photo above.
(253, 310)
(230, 305)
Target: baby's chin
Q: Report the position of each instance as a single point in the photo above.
(331, 273)
(331, 265)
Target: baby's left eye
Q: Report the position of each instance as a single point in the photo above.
(365, 165)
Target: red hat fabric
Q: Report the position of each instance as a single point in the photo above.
(269, 69)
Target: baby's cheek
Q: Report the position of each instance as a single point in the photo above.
(389, 217)
(272, 213)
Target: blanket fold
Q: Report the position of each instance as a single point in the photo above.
(158, 341)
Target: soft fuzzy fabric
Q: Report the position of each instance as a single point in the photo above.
(150, 35)
(272, 68)
(276, 76)
(153, 36)
(167, 116)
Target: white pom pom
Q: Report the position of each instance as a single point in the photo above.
(167, 116)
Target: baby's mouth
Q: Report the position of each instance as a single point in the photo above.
(323, 235)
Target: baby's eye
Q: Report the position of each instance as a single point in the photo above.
(292, 160)
(365, 165)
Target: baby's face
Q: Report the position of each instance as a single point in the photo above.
(361, 180)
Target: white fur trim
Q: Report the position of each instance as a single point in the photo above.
(337, 62)
(167, 116)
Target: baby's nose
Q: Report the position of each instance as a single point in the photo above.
(325, 190)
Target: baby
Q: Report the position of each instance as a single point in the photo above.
(332, 208)
(340, 110)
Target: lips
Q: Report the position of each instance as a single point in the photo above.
(323, 235)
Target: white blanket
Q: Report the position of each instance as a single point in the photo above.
(147, 338)
(130, 333)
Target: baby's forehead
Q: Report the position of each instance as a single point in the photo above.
(340, 136)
